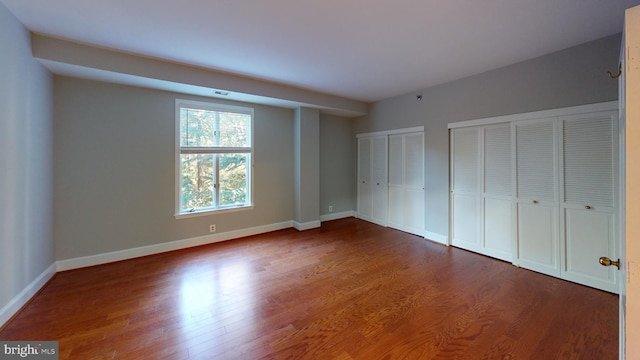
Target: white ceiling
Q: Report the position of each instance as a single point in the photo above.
(360, 49)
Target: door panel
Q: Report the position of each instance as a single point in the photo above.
(497, 228)
(465, 232)
(537, 238)
(466, 160)
(406, 209)
(589, 235)
(536, 160)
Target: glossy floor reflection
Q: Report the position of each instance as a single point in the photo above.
(217, 303)
(348, 290)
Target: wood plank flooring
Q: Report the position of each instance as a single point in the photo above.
(348, 290)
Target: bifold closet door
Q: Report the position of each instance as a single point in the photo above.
(589, 157)
(538, 246)
(365, 195)
(406, 182)
(465, 188)
(497, 198)
(372, 179)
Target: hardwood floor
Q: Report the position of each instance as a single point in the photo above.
(348, 290)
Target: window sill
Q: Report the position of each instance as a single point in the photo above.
(186, 215)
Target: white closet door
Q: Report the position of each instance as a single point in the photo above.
(372, 179)
(497, 194)
(406, 182)
(589, 158)
(465, 188)
(537, 204)
(379, 180)
(365, 196)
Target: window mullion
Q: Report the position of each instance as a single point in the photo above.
(216, 186)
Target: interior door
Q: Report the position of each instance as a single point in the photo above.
(630, 107)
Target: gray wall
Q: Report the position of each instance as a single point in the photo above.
(337, 164)
(574, 76)
(114, 169)
(26, 163)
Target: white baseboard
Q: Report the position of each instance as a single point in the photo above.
(98, 259)
(442, 239)
(336, 216)
(25, 295)
(306, 226)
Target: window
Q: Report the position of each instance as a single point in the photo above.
(213, 162)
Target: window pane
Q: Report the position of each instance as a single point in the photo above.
(197, 127)
(233, 179)
(197, 181)
(234, 130)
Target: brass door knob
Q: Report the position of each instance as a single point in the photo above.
(605, 261)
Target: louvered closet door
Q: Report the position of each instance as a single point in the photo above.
(365, 196)
(589, 156)
(497, 195)
(465, 188)
(406, 182)
(379, 180)
(537, 204)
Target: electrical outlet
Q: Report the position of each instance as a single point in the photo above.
(330, 208)
(212, 228)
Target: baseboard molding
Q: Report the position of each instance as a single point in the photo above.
(9, 310)
(442, 239)
(336, 216)
(306, 226)
(99, 259)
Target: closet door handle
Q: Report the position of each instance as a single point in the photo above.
(587, 207)
(535, 201)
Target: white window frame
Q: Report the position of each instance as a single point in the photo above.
(210, 106)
